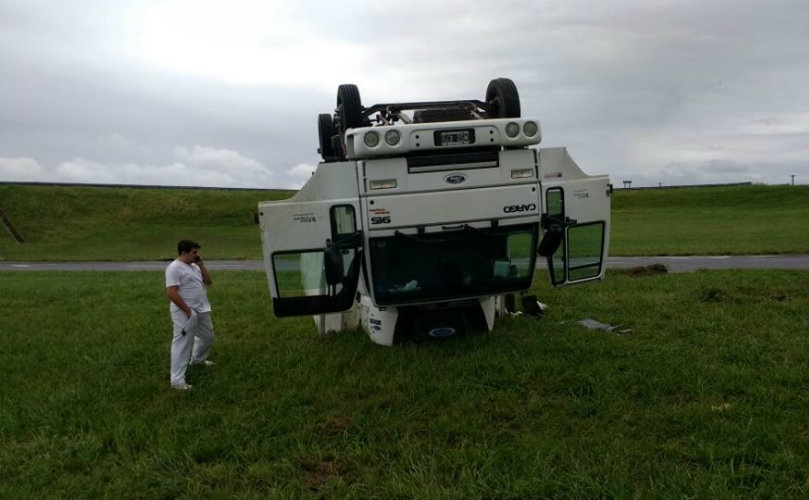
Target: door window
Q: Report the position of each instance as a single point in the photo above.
(584, 245)
(555, 203)
(343, 222)
(302, 274)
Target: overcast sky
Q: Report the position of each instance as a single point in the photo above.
(227, 93)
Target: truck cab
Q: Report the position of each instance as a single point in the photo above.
(423, 217)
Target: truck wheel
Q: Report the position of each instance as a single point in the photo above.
(326, 130)
(349, 106)
(503, 99)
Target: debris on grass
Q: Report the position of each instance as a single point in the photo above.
(650, 270)
(713, 295)
(722, 407)
(592, 324)
(532, 307)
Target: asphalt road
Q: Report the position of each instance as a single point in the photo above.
(674, 264)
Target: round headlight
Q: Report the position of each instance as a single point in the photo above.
(392, 137)
(371, 139)
(512, 130)
(530, 129)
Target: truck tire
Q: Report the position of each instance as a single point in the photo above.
(349, 107)
(325, 131)
(503, 98)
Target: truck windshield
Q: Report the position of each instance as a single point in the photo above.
(452, 264)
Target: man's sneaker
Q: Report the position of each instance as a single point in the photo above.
(181, 387)
(204, 362)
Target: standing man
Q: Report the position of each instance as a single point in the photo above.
(186, 278)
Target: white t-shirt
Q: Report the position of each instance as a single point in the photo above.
(188, 279)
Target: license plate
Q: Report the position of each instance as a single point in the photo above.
(454, 137)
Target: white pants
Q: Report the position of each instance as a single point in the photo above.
(199, 338)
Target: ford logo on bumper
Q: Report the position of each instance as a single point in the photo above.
(442, 332)
(455, 179)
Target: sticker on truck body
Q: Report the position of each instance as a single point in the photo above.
(304, 218)
(379, 216)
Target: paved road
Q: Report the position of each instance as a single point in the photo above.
(674, 264)
(695, 262)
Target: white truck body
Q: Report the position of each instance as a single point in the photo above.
(429, 236)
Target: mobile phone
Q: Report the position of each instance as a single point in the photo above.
(197, 258)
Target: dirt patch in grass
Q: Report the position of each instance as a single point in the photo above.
(650, 270)
(317, 472)
(335, 425)
(713, 295)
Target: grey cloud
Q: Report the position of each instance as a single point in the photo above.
(196, 166)
(662, 91)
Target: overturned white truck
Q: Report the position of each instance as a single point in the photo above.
(427, 218)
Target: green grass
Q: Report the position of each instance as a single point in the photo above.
(754, 219)
(706, 398)
(95, 223)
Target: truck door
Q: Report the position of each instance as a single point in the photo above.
(575, 220)
(312, 254)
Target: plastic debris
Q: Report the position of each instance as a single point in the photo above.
(592, 324)
(532, 307)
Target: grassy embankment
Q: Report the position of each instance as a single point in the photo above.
(94, 223)
(709, 221)
(706, 398)
(86, 223)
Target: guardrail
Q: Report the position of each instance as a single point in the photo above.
(136, 186)
(683, 186)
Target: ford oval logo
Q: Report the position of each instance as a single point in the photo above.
(441, 332)
(455, 179)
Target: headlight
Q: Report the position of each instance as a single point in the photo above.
(371, 139)
(530, 129)
(392, 137)
(512, 129)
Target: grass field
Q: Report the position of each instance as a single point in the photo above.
(754, 219)
(706, 398)
(92, 223)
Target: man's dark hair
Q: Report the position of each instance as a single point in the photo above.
(186, 246)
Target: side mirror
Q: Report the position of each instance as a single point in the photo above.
(551, 241)
(333, 263)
